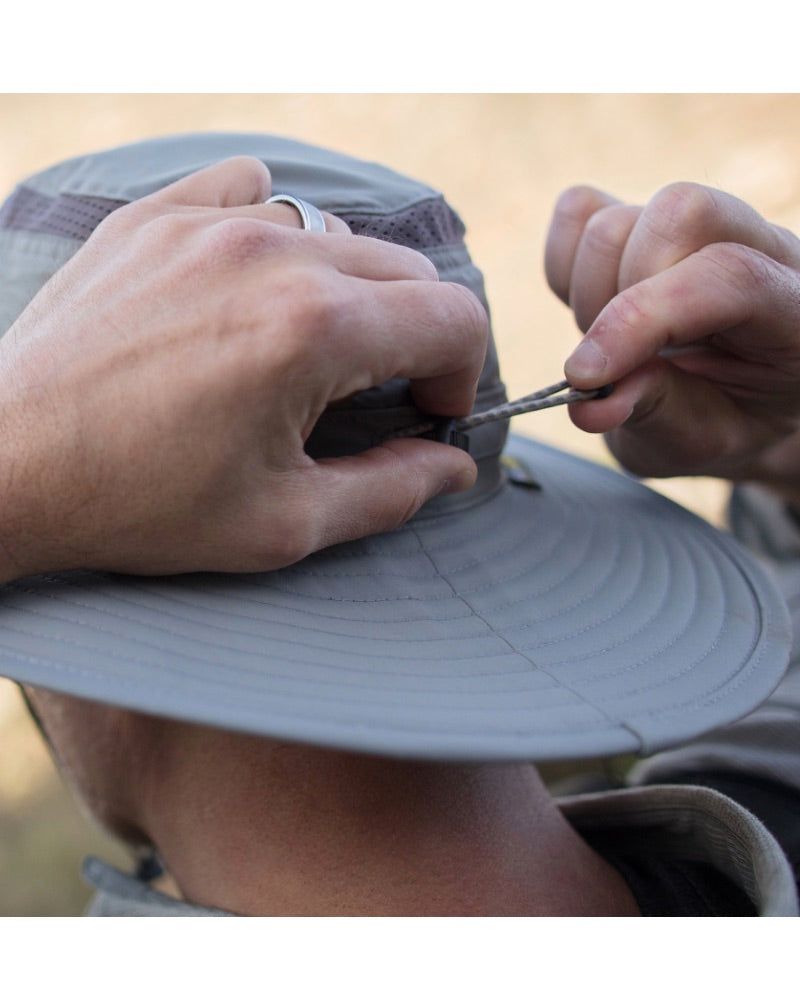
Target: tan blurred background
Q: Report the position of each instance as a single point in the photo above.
(502, 160)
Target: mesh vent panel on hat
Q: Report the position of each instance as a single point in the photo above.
(428, 224)
(72, 216)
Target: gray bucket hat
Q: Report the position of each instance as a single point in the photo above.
(581, 616)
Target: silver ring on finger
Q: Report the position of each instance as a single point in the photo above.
(310, 215)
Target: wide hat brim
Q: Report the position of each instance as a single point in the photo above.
(588, 617)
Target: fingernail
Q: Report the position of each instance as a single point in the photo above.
(587, 361)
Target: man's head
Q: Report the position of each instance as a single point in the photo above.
(556, 610)
(257, 826)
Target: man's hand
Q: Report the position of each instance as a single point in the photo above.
(157, 393)
(691, 306)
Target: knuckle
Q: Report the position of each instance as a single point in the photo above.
(628, 311)
(405, 261)
(607, 230)
(419, 266)
(294, 543)
(578, 202)
(473, 315)
(334, 224)
(137, 228)
(787, 248)
(760, 283)
(234, 241)
(309, 327)
(741, 267)
(290, 539)
(132, 216)
(317, 312)
(683, 211)
(252, 171)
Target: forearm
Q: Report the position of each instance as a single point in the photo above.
(154, 408)
(18, 502)
(50, 491)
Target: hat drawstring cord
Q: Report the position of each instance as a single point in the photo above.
(453, 431)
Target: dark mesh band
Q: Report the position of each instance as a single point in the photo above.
(70, 215)
(429, 223)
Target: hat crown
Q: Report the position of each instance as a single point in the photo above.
(587, 617)
(65, 203)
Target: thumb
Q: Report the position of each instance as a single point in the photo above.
(669, 422)
(380, 489)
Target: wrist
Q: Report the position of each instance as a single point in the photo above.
(26, 490)
(13, 565)
(15, 550)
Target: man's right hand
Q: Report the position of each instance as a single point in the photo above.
(157, 393)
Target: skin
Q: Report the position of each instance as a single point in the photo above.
(690, 305)
(261, 828)
(203, 359)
